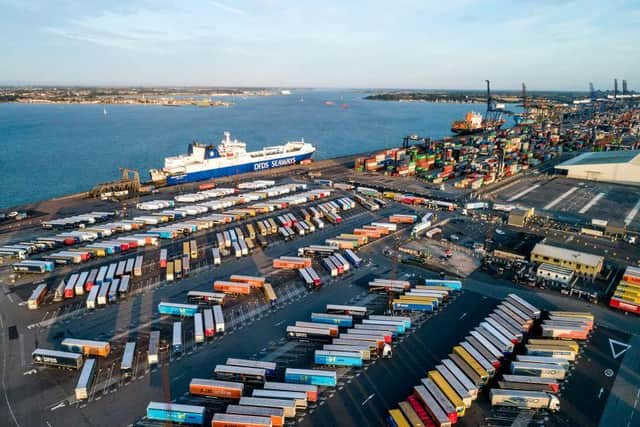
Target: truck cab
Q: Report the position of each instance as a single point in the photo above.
(554, 403)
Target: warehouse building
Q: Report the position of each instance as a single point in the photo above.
(555, 273)
(581, 263)
(622, 167)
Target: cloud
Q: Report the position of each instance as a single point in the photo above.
(227, 8)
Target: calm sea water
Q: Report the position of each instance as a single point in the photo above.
(53, 150)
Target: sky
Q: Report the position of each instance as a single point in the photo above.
(428, 44)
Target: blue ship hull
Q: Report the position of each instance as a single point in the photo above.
(236, 169)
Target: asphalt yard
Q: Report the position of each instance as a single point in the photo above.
(589, 199)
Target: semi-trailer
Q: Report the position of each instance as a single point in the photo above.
(564, 363)
(456, 385)
(543, 370)
(495, 361)
(311, 391)
(287, 405)
(173, 412)
(276, 415)
(216, 388)
(87, 347)
(568, 344)
(546, 350)
(469, 365)
(551, 385)
(173, 309)
(269, 367)
(37, 296)
(440, 416)
(405, 319)
(448, 392)
(491, 370)
(232, 287)
(462, 377)
(299, 398)
(86, 379)
(316, 377)
(59, 359)
(341, 320)
(524, 399)
(364, 351)
(385, 329)
(337, 358)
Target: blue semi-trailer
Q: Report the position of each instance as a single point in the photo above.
(185, 310)
(310, 376)
(412, 306)
(337, 358)
(342, 320)
(172, 412)
(456, 285)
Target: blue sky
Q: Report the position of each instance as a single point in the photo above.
(550, 44)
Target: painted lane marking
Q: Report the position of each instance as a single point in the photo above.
(561, 197)
(632, 213)
(367, 399)
(523, 192)
(592, 203)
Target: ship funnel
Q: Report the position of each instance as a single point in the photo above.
(227, 136)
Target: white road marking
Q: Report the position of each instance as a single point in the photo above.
(463, 316)
(367, 399)
(279, 323)
(632, 213)
(59, 405)
(10, 299)
(523, 192)
(561, 197)
(600, 392)
(592, 203)
(624, 347)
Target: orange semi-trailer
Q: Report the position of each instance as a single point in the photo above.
(375, 234)
(254, 281)
(291, 262)
(403, 219)
(232, 287)
(215, 388)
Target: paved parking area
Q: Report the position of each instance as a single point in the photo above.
(589, 199)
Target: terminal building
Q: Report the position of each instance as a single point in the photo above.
(622, 167)
(581, 263)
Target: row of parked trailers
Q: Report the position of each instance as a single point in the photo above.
(427, 297)
(102, 285)
(269, 404)
(361, 236)
(450, 388)
(151, 236)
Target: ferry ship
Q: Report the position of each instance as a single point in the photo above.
(229, 158)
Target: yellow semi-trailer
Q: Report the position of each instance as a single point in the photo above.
(448, 391)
